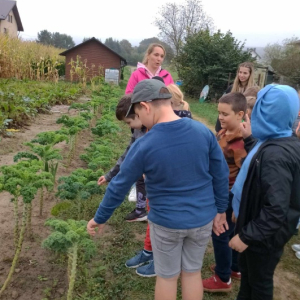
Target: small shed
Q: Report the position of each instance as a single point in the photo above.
(96, 55)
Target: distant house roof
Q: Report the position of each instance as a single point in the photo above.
(92, 39)
(6, 7)
(254, 52)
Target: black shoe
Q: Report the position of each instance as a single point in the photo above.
(136, 217)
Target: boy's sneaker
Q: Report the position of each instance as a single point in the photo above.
(235, 275)
(215, 285)
(136, 217)
(132, 194)
(296, 247)
(146, 270)
(138, 260)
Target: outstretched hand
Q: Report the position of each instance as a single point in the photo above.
(102, 180)
(246, 127)
(92, 226)
(220, 224)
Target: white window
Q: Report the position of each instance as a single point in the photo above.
(9, 18)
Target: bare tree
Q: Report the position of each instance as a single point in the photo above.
(285, 59)
(176, 22)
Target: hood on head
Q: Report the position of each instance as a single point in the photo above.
(274, 112)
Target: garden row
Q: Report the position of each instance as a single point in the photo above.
(21, 100)
(35, 171)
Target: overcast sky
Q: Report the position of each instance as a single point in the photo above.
(258, 22)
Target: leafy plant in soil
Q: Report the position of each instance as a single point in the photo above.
(105, 125)
(22, 180)
(80, 187)
(71, 127)
(49, 157)
(49, 138)
(70, 237)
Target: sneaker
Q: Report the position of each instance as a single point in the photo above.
(146, 270)
(296, 247)
(297, 254)
(138, 260)
(135, 217)
(132, 194)
(235, 275)
(215, 285)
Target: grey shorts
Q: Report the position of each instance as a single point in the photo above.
(177, 250)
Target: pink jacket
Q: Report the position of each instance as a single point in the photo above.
(141, 74)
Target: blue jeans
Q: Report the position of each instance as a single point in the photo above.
(226, 258)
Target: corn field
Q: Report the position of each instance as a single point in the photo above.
(28, 60)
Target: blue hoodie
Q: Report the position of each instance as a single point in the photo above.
(274, 112)
(273, 116)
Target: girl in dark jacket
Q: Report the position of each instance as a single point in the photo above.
(269, 191)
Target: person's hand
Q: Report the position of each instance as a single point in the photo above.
(237, 244)
(102, 180)
(246, 127)
(91, 227)
(233, 218)
(220, 224)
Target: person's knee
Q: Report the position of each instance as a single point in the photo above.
(187, 275)
(167, 280)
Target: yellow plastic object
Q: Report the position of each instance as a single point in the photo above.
(12, 130)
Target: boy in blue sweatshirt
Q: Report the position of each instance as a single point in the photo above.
(186, 184)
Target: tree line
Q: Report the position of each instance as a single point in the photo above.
(200, 53)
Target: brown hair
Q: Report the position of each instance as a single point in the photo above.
(150, 49)
(123, 106)
(298, 130)
(251, 91)
(250, 102)
(237, 101)
(237, 86)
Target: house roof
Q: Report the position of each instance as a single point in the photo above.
(6, 7)
(92, 39)
(253, 50)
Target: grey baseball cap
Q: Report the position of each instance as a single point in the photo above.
(146, 91)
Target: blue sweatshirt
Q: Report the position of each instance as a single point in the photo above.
(186, 176)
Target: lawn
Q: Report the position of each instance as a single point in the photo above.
(206, 110)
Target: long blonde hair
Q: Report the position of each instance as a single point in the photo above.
(237, 87)
(177, 98)
(150, 49)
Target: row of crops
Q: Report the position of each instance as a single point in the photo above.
(33, 178)
(29, 60)
(22, 100)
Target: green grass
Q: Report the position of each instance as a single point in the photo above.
(208, 111)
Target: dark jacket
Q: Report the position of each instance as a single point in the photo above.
(136, 133)
(270, 206)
